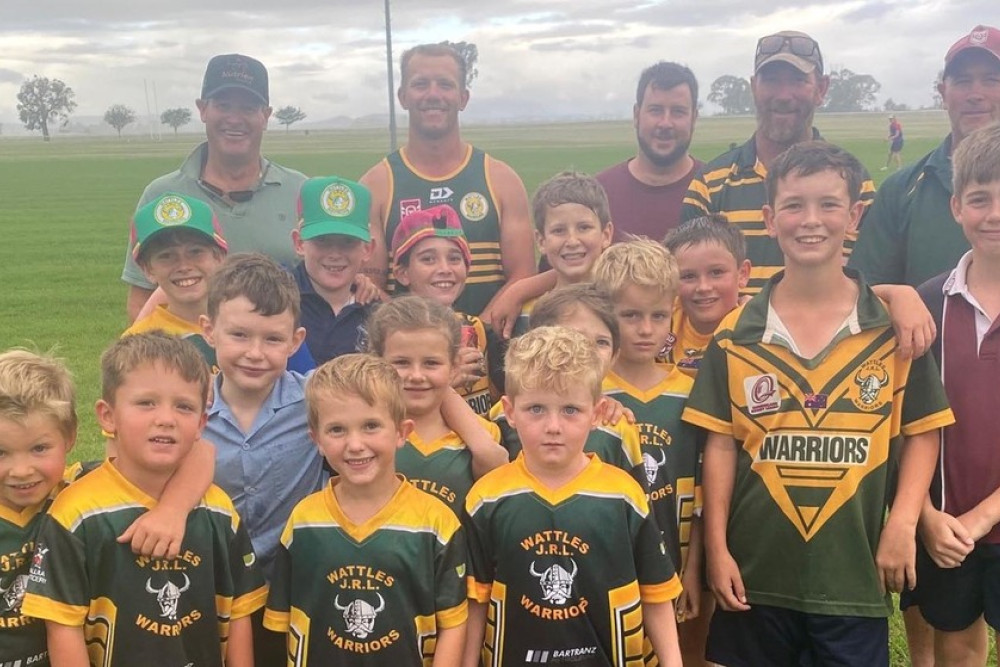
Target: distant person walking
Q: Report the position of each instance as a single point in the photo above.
(255, 199)
(895, 140)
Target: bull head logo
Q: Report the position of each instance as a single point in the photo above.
(359, 615)
(168, 596)
(652, 466)
(870, 385)
(556, 582)
(13, 594)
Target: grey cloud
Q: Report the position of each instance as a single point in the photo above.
(10, 76)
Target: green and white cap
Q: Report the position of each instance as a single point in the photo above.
(174, 211)
(334, 205)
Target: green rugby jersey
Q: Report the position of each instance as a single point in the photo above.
(564, 572)
(163, 320)
(816, 440)
(733, 184)
(469, 191)
(137, 610)
(670, 453)
(442, 467)
(368, 595)
(617, 444)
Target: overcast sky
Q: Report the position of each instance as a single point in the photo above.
(576, 56)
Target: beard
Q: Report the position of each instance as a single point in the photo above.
(663, 159)
(785, 132)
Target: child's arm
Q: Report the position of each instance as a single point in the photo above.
(689, 603)
(160, 531)
(661, 628)
(487, 453)
(475, 634)
(946, 539)
(719, 478)
(897, 548)
(67, 646)
(239, 648)
(501, 313)
(912, 322)
(980, 519)
(450, 646)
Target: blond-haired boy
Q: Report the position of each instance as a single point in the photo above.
(564, 550)
(370, 570)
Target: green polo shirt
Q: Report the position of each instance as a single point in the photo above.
(263, 224)
(910, 235)
(734, 184)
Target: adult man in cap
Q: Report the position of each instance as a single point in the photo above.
(909, 235)
(645, 192)
(254, 198)
(436, 167)
(788, 86)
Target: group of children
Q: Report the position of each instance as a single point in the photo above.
(652, 439)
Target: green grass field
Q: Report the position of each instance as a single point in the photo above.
(64, 209)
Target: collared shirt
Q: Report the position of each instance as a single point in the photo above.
(329, 334)
(958, 284)
(734, 184)
(910, 235)
(263, 224)
(270, 468)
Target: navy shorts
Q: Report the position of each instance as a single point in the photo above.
(777, 637)
(897, 145)
(952, 599)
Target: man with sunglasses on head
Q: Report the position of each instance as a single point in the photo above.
(255, 199)
(788, 86)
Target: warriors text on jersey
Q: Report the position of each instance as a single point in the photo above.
(815, 443)
(670, 452)
(565, 572)
(137, 610)
(467, 190)
(373, 594)
(442, 468)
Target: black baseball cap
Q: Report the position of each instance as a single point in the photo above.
(234, 70)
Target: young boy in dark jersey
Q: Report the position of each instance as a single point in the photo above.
(641, 277)
(370, 571)
(807, 402)
(567, 563)
(102, 604)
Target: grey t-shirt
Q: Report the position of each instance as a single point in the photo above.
(263, 224)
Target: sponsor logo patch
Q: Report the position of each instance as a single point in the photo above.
(474, 206)
(762, 393)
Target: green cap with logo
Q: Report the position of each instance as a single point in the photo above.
(174, 211)
(334, 205)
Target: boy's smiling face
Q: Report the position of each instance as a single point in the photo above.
(572, 241)
(183, 269)
(32, 459)
(436, 269)
(332, 260)
(977, 210)
(710, 283)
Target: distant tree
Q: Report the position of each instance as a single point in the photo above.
(470, 54)
(851, 92)
(119, 117)
(938, 100)
(175, 117)
(732, 93)
(890, 105)
(43, 100)
(288, 115)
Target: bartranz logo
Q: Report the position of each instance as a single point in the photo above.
(762, 393)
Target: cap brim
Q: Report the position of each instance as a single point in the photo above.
(965, 49)
(215, 91)
(327, 228)
(138, 245)
(799, 63)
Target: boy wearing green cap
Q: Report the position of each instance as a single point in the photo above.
(333, 240)
(178, 244)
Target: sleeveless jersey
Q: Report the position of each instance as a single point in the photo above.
(368, 595)
(670, 453)
(816, 444)
(467, 190)
(564, 572)
(442, 468)
(137, 610)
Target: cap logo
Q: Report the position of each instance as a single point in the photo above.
(337, 200)
(474, 206)
(172, 211)
(978, 37)
(237, 71)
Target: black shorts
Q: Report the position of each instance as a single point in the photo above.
(897, 145)
(776, 637)
(952, 599)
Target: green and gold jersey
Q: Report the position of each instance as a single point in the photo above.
(686, 346)
(816, 440)
(477, 394)
(670, 453)
(523, 321)
(373, 594)
(137, 610)
(469, 191)
(617, 444)
(564, 572)
(442, 467)
(162, 319)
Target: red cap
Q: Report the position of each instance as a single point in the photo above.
(982, 37)
(440, 221)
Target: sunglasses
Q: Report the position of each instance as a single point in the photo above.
(804, 47)
(238, 196)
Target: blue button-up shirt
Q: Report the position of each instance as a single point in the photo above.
(270, 468)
